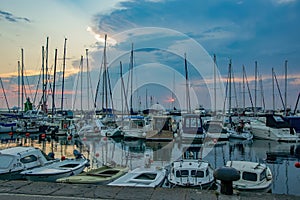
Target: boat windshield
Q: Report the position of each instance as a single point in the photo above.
(249, 176)
(263, 175)
(182, 173)
(29, 159)
(5, 161)
(197, 173)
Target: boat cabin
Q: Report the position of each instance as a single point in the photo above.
(252, 175)
(192, 124)
(16, 159)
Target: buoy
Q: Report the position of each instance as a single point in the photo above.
(84, 139)
(105, 139)
(63, 158)
(43, 136)
(27, 134)
(10, 133)
(297, 164)
(69, 137)
(97, 154)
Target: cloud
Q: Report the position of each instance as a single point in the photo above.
(284, 1)
(12, 18)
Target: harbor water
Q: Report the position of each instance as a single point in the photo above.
(280, 157)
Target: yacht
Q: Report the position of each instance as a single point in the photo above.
(273, 127)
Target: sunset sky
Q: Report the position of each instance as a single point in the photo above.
(162, 31)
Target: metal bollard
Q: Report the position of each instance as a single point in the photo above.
(226, 175)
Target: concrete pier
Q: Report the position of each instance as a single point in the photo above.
(23, 190)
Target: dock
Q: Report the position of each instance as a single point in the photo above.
(21, 190)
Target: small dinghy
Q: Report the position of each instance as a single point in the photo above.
(100, 176)
(142, 177)
(56, 170)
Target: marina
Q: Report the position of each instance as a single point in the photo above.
(280, 157)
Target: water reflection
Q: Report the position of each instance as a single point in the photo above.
(280, 157)
(133, 153)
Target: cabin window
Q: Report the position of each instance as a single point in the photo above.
(5, 161)
(182, 173)
(192, 122)
(263, 175)
(248, 176)
(138, 124)
(28, 159)
(207, 172)
(197, 173)
(278, 119)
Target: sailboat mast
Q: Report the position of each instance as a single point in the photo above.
(63, 76)
(121, 91)
(215, 85)
(285, 88)
(105, 78)
(81, 84)
(19, 68)
(46, 77)
(131, 79)
(22, 80)
(229, 86)
(273, 89)
(244, 90)
(88, 78)
(54, 82)
(43, 78)
(188, 103)
(255, 89)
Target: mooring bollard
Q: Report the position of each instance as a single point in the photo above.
(226, 175)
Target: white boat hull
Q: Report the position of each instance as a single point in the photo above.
(261, 131)
(61, 169)
(141, 177)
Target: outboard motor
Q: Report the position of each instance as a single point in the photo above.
(77, 154)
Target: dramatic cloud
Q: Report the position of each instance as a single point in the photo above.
(285, 1)
(12, 18)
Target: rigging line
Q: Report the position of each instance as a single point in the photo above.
(89, 77)
(110, 92)
(30, 92)
(98, 85)
(235, 93)
(226, 89)
(37, 87)
(297, 103)
(123, 88)
(249, 92)
(279, 90)
(76, 87)
(4, 94)
(262, 93)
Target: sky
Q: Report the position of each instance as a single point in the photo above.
(162, 32)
